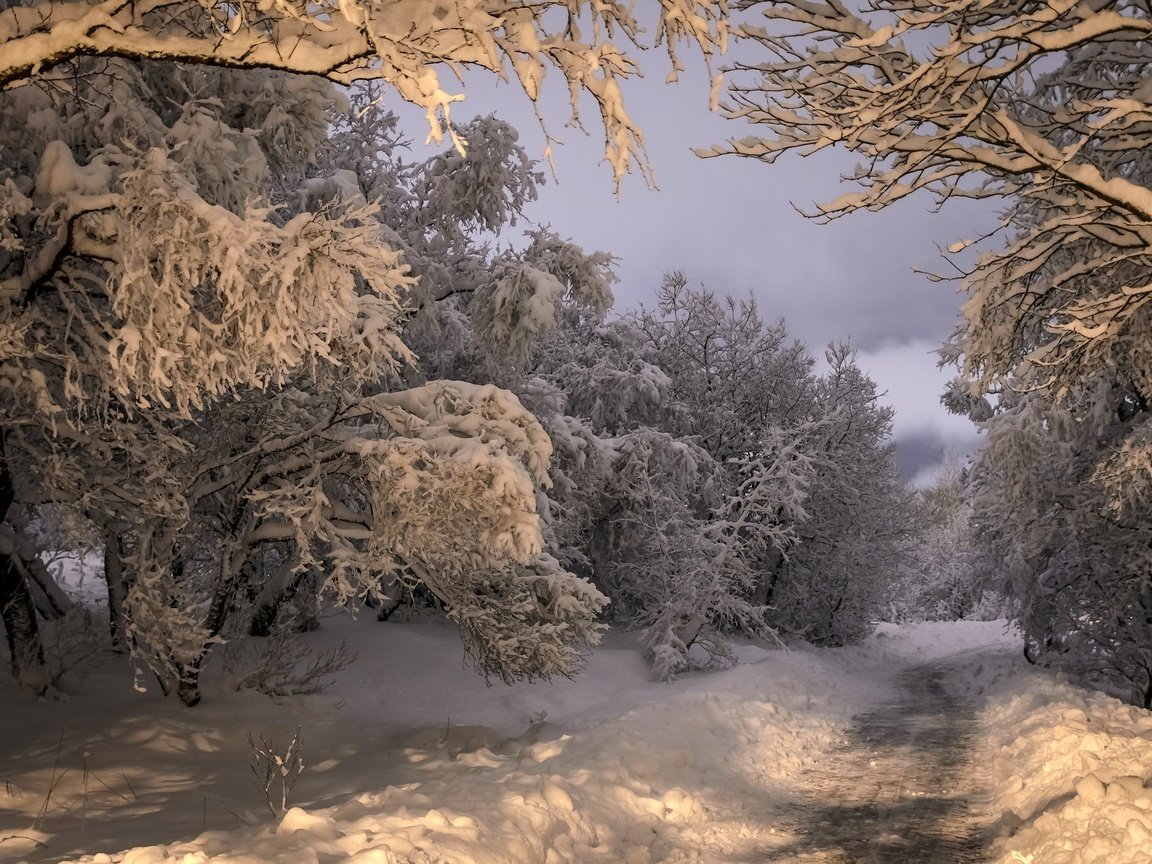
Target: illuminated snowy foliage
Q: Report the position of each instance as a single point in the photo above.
(213, 279)
(408, 44)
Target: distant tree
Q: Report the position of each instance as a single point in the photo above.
(732, 374)
(709, 482)
(641, 508)
(943, 579)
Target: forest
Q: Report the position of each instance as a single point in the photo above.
(259, 359)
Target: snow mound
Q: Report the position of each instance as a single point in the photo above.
(1070, 772)
(938, 640)
(664, 782)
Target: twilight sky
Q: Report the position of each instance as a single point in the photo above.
(730, 224)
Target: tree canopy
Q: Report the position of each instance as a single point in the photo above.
(213, 275)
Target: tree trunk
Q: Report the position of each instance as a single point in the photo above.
(275, 590)
(770, 582)
(391, 597)
(286, 587)
(19, 615)
(232, 560)
(188, 682)
(117, 582)
(47, 597)
(16, 606)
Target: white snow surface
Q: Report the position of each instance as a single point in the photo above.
(410, 757)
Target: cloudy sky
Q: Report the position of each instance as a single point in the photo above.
(731, 224)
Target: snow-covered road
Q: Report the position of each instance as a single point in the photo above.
(903, 786)
(933, 744)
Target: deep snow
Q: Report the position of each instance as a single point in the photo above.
(410, 757)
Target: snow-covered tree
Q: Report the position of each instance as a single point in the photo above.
(1045, 109)
(712, 481)
(1071, 558)
(733, 374)
(145, 280)
(210, 293)
(635, 504)
(815, 507)
(1043, 106)
(858, 526)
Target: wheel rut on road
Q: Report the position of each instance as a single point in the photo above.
(903, 788)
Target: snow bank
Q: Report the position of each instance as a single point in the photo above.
(1069, 770)
(412, 758)
(939, 640)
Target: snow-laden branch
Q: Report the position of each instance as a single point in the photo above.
(409, 44)
(1046, 105)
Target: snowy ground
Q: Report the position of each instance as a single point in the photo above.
(411, 758)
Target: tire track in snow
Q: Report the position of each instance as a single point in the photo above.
(902, 789)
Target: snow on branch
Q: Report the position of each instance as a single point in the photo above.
(935, 117)
(209, 300)
(409, 44)
(514, 311)
(1045, 105)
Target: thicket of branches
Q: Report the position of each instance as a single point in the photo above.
(213, 275)
(258, 356)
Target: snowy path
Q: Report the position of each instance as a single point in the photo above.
(912, 748)
(901, 788)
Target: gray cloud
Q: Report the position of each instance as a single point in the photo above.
(918, 455)
(730, 223)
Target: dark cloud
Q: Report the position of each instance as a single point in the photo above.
(917, 454)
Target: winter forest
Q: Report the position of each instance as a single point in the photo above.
(262, 361)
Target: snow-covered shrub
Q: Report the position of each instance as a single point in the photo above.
(283, 663)
(1070, 558)
(275, 770)
(668, 570)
